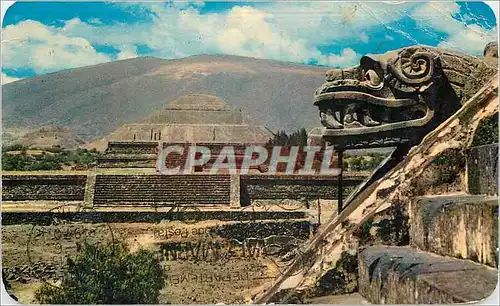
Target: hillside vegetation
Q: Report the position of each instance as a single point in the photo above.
(21, 158)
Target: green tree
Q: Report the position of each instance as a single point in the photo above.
(107, 274)
(297, 138)
(12, 162)
(50, 159)
(355, 163)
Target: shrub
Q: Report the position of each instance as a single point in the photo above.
(107, 274)
(52, 161)
(342, 279)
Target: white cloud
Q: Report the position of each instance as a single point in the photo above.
(364, 37)
(322, 21)
(437, 15)
(471, 39)
(280, 31)
(126, 52)
(461, 37)
(8, 79)
(346, 58)
(46, 49)
(96, 21)
(243, 31)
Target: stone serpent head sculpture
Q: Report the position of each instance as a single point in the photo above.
(399, 96)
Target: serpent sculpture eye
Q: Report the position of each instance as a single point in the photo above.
(372, 77)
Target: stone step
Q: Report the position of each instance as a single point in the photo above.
(160, 192)
(161, 195)
(164, 178)
(163, 184)
(402, 275)
(461, 226)
(122, 187)
(158, 204)
(157, 190)
(164, 200)
(167, 177)
(158, 199)
(159, 186)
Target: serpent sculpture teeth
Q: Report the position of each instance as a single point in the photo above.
(348, 117)
(413, 88)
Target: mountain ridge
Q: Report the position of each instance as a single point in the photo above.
(96, 100)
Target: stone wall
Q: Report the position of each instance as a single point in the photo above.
(482, 169)
(132, 147)
(161, 190)
(188, 216)
(127, 161)
(129, 154)
(209, 116)
(43, 187)
(456, 226)
(293, 187)
(263, 229)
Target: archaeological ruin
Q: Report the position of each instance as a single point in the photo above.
(421, 228)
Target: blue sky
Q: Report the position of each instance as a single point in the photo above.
(40, 38)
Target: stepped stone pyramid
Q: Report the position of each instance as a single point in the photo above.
(194, 118)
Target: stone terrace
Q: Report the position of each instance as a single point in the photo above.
(43, 187)
(310, 187)
(160, 190)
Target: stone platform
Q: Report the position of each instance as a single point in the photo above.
(401, 275)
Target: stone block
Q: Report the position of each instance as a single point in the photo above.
(401, 275)
(88, 199)
(234, 195)
(461, 226)
(482, 169)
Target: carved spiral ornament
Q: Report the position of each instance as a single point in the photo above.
(414, 67)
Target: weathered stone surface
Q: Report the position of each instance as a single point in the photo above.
(161, 190)
(396, 186)
(400, 96)
(298, 187)
(88, 199)
(189, 215)
(43, 187)
(491, 49)
(401, 275)
(132, 160)
(235, 193)
(461, 226)
(197, 109)
(132, 147)
(482, 170)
